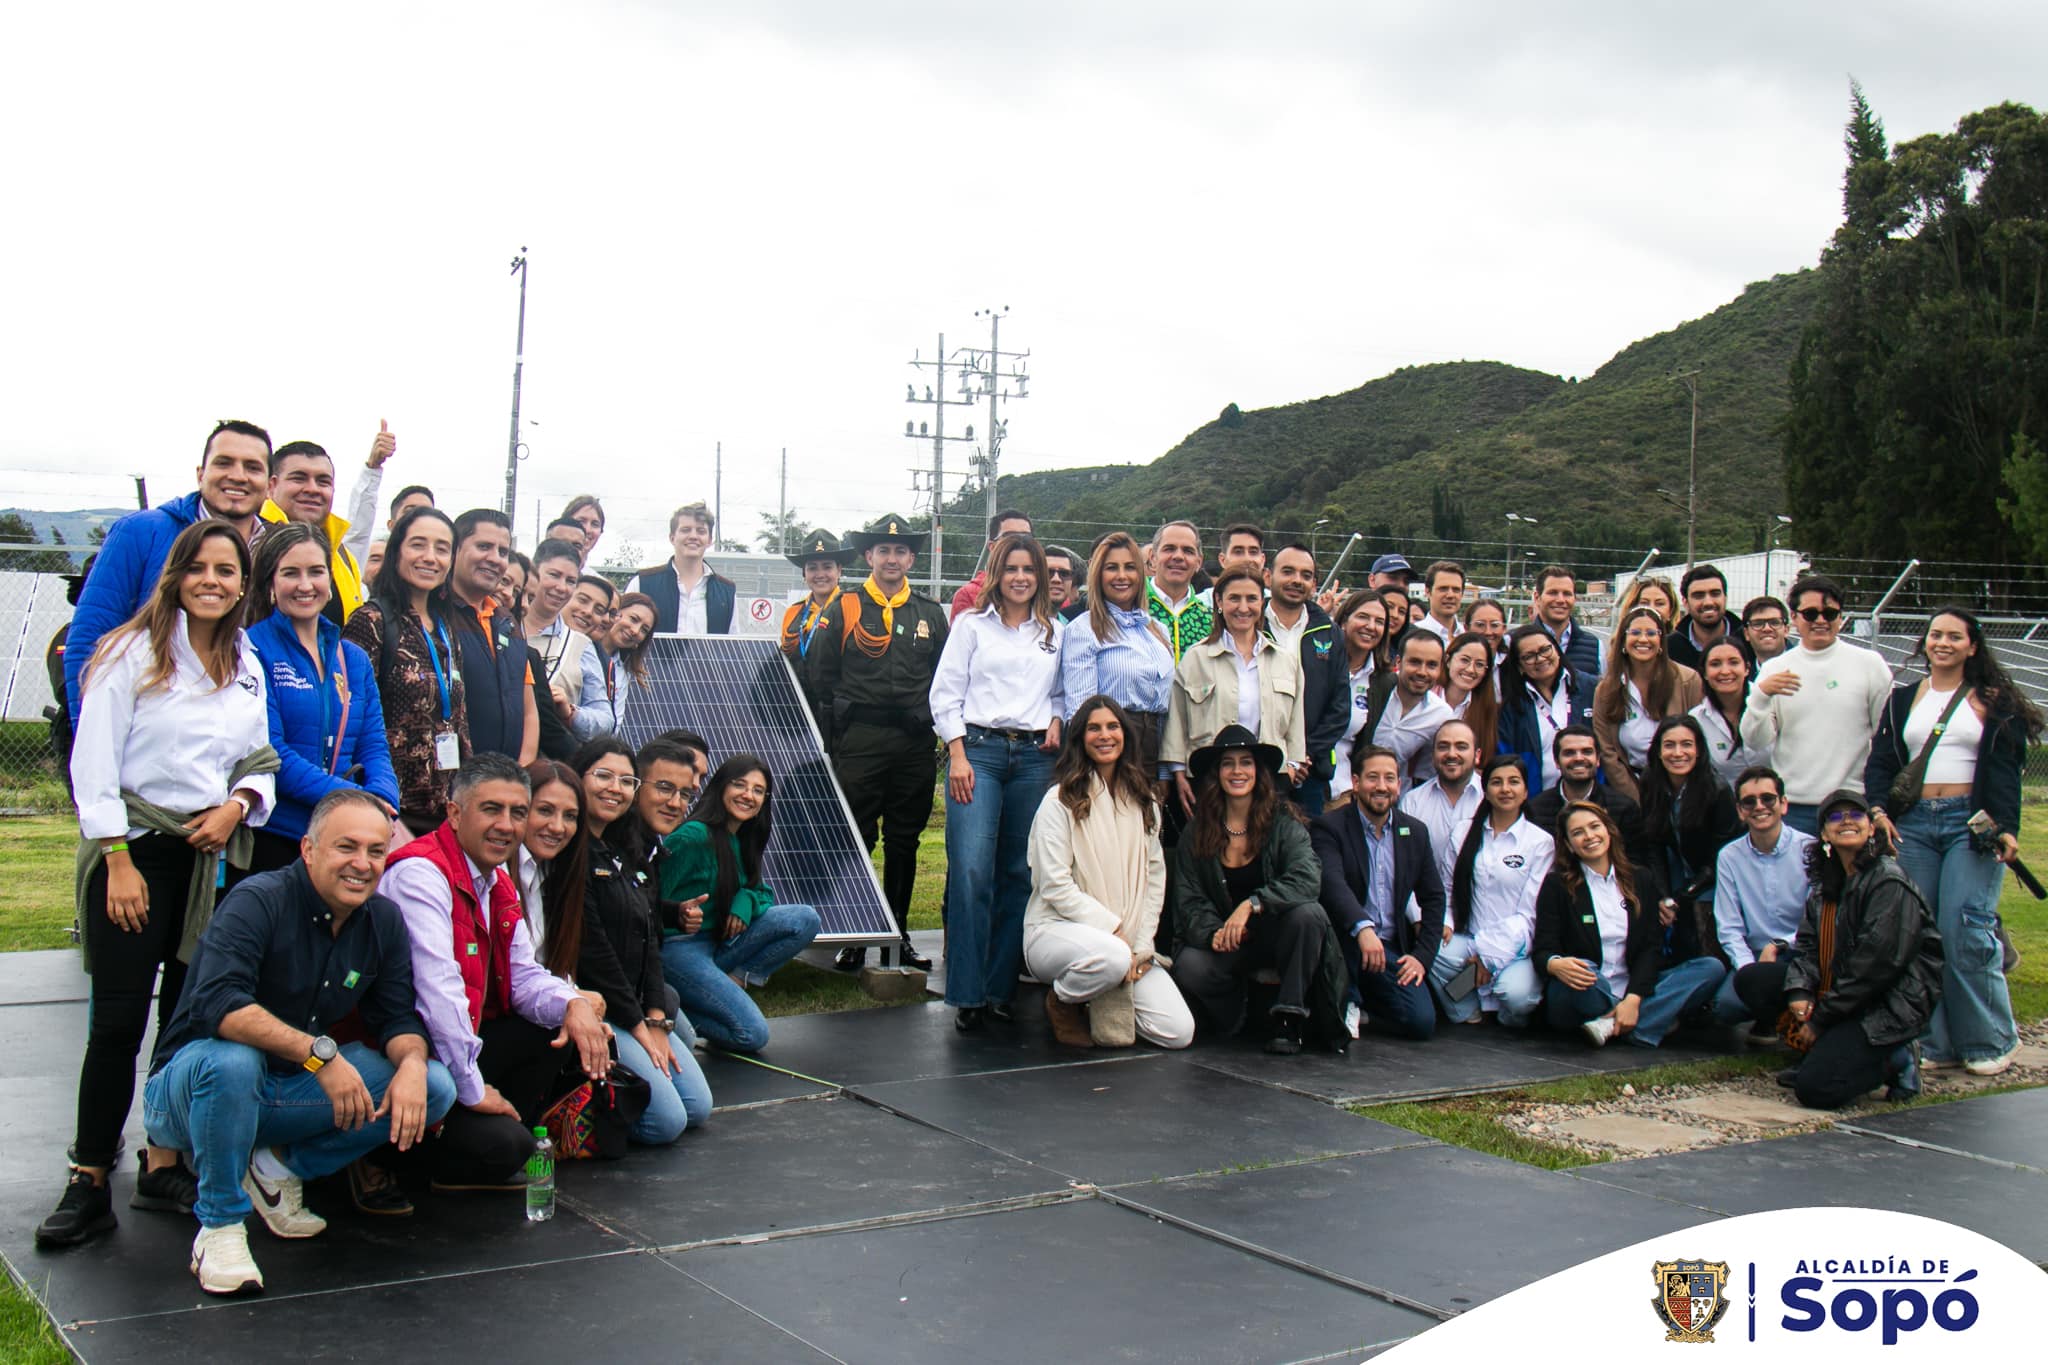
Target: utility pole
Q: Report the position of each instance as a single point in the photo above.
(141, 491)
(935, 432)
(1691, 380)
(782, 508)
(988, 367)
(518, 366)
(717, 488)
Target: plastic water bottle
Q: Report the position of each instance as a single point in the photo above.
(540, 1179)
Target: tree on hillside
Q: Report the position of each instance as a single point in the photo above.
(778, 533)
(1919, 396)
(17, 533)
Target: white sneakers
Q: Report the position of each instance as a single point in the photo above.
(221, 1260)
(1598, 1031)
(280, 1201)
(1991, 1066)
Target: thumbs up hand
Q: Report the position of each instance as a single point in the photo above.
(384, 447)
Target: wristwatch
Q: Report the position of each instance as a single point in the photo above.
(665, 1025)
(324, 1051)
(1258, 906)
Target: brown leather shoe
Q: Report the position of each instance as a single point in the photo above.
(1069, 1022)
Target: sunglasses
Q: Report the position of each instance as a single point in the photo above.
(1847, 815)
(1810, 614)
(1763, 801)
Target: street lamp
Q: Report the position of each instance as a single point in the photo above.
(1509, 568)
(1320, 524)
(1784, 524)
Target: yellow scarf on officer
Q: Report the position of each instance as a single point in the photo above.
(875, 646)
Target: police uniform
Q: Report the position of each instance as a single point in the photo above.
(869, 679)
(802, 619)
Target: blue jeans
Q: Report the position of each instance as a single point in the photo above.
(220, 1101)
(1679, 990)
(1516, 990)
(1805, 819)
(988, 874)
(1390, 1007)
(1974, 1020)
(702, 973)
(681, 1099)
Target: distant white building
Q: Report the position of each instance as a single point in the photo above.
(1769, 572)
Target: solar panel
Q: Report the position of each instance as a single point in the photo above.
(740, 695)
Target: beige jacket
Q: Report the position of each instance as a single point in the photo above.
(1688, 694)
(1204, 699)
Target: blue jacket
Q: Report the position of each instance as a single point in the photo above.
(122, 578)
(1522, 733)
(305, 711)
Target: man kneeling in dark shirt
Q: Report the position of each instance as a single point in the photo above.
(246, 1079)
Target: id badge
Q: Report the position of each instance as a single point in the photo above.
(447, 751)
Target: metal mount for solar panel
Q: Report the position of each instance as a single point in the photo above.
(740, 694)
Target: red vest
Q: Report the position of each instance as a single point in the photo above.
(486, 975)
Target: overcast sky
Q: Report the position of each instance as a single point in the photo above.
(744, 218)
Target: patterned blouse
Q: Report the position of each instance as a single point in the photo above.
(412, 709)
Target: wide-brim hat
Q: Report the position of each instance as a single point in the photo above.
(822, 544)
(883, 530)
(1203, 761)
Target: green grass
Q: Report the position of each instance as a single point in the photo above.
(26, 1336)
(35, 881)
(28, 773)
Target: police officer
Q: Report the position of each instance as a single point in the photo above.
(869, 674)
(822, 559)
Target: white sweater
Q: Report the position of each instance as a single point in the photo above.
(1819, 736)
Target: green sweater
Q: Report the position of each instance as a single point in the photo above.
(691, 870)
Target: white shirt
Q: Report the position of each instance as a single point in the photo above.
(1637, 728)
(1551, 716)
(996, 676)
(1724, 747)
(1506, 875)
(1820, 735)
(1361, 703)
(690, 617)
(1955, 756)
(174, 747)
(1247, 689)
(1612, 914)
(561, 649)
(528, 873)
(1412, 735)
(1286, 636)
(1446, 820)
(362, 513)
(1439, 629)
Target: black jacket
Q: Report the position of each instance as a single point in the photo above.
(658, 581)
(493, 680)
(1686, 860)
(621, 956)
(1340, 843)
(1566, 926)
(1326, 689)
(1521, 732)
(1582, 655)
(1289, 875)
(2000, 757)
(1888, 957)
(1679, 648)
(556, 739)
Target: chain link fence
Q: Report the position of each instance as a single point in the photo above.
(2013, 600)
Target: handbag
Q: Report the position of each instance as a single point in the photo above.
(1906, 785)
(596, 1118)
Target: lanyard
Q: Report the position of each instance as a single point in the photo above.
(803, 646)
(434, 657)
(611, 685)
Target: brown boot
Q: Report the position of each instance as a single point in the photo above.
(1069, 1022)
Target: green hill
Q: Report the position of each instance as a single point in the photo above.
(1437, 453)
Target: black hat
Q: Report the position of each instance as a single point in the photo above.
(1203, 761)
(890, 528)
(822, 544)
(1842, 796)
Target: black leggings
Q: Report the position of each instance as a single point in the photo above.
(519, 1059)
(124, 972)
(1842, 1065)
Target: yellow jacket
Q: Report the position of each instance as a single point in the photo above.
(347, 574)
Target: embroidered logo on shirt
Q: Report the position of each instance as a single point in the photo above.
(251, 685)
(1513, 860)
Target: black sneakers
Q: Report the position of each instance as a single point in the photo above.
(173, 1189)
(1286, 1039)
(85, 1211)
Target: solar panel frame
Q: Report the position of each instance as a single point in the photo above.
(741, 695)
